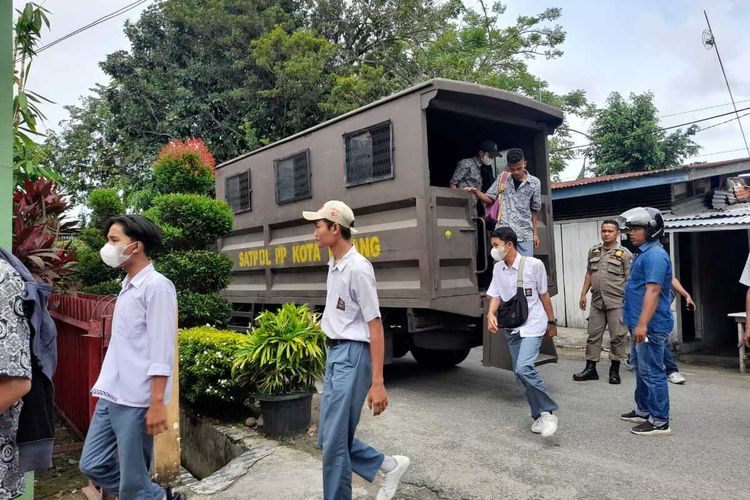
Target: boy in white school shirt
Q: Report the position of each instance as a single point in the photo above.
(354, 365)
(134, 385)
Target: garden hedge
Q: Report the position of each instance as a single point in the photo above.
(197, 309)
(191, 221)
(197, 270)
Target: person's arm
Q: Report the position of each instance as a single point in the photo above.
(547, 304)
(377, 399)
(453, 186)
(495, 304)
(479, 194)
(650, 302)
(534, 222)
(458, 173)
(746, 337)
(161, 326)
(681, 290)
(11, 390)
(585, 290)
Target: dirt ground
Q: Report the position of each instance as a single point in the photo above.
(63, 480)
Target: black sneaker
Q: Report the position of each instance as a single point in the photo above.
(649, 429)
(632, 416)
(174, 495)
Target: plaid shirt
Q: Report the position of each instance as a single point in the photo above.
(517, 205)
(468, 174)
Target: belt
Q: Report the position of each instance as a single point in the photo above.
(334, 342)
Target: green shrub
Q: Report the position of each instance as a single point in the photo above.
(91, 270)
(142, 200)
(284, 354)
(106, 288)
(197, 270)
(104, 203)
(206, 357)
(199, 219)
(93, 238)
(199, 309)
(184, 174)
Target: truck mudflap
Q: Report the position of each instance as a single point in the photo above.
(495, 349)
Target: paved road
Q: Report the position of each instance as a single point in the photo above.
(467, 432)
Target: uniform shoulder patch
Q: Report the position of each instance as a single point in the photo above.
(618, 254)
(596, 250)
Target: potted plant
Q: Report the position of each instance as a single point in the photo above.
(281, 360)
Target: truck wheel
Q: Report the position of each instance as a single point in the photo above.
(439, 358)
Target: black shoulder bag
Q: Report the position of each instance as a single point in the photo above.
(514, 312)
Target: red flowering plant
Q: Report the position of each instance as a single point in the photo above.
(38, 220)
(185, 167)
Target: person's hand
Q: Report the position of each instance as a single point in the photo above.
(471, 189)
(377, 399)
(551, 331)
(582, 303)
(156, 419)
(492, 323)
(689, 304)
(639, 334)
(536, 241)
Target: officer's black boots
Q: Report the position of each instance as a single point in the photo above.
(588, 373)
(614, 372)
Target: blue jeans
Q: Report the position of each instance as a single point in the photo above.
(523, 354)
(117, 452)
(669, 364)
(347, 382)
(651, 388)
(526, 248)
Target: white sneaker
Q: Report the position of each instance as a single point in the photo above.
(391, 479)
(549, 423)
(536, 427)
(676, 378)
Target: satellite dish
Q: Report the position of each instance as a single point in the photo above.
(708, 39)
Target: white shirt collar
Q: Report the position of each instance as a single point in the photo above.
(516, 263)
(139, 278)
(343, 261)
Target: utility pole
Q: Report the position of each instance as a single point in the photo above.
(6, 123)
(710, 43)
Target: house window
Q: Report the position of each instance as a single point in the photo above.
(239, 192)
(293, 178)
(369, 155)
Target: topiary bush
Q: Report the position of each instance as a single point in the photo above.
(93, 238)
(104, 203)
(185, 167)
(91, 270)
(106, 288)
(198, 220)
(197, 270)
(198, 309)
(206, 357)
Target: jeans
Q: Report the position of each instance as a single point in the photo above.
(117, 452)
(651, 387)
(669, 364)
(523, 354)
(347, 382)
(526, 248)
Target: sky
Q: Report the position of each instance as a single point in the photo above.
(624, 46)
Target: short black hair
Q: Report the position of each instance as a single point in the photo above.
(514, 155)
(138, 228)
(613, 222)
(505, 234)
(345, 231)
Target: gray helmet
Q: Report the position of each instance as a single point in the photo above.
(646, 217)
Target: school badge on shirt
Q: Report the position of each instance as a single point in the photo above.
(340, 304)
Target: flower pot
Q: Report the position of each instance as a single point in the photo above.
(286, 416)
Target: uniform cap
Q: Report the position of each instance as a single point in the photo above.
(334, 211)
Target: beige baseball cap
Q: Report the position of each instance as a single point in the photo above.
(334, 211)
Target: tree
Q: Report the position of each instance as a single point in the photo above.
(243, 74)
(626, 137)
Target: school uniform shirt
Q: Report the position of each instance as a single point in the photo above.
(503, 287)
(144, 331)
(351, 298)
(745, 278)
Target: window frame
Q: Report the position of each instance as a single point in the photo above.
(347, 136)
(276, 162)
(247, 172)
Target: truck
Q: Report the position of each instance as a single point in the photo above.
(391, 161)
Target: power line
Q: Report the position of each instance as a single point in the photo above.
(96, 22)
(717, 153)
(725, 121)
(702, 109)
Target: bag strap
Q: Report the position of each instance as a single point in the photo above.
(519, 273)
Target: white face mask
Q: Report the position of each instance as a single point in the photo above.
(499, 253)
(114, 255)
(487, 160)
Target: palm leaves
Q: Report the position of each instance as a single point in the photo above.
(285, 352)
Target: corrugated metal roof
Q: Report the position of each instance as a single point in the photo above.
(627, 175)
(711, 219)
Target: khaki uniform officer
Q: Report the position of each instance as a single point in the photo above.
(607, 272)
